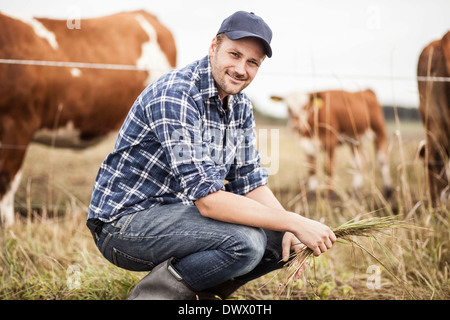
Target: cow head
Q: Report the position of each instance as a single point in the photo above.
(300, 107)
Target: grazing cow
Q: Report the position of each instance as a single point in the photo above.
(434, 108)
(80, 103)
(335, 117)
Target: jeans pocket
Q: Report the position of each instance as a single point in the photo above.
(123, 221)
(129, 262)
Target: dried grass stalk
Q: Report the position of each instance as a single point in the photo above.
(371, 228)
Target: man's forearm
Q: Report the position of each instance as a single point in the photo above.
(258, 209)
(265, 196)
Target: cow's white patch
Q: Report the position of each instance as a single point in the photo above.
(308, 146)
(385, 172)
(297, 101)
(68, 136)
(358, 180)
(7, 202)
(152, 57)
(358, 163)
(39, 29)
(313, 183)
(75, 72)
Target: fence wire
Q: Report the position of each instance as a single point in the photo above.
(105, 66)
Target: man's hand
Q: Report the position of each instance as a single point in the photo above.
(315, 235)
(291, 243)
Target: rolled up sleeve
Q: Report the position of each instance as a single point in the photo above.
(246, 179)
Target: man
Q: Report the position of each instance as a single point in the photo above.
(183, 193)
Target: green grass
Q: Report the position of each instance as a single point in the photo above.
(49, 253)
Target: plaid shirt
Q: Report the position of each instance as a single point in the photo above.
(178, 144)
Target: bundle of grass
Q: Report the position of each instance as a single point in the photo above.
(347, 233)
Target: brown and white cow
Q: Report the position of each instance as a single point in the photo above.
(335, 117)
(88, 102)
(434, 108)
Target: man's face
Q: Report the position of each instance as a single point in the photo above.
(234, 63)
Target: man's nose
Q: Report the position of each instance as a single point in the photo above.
(239, 68)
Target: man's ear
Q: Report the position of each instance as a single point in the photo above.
(213, 47)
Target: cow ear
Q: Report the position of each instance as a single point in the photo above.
(276, 98)
(316, 100)
(421, 149)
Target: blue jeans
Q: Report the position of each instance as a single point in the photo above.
(209, 252)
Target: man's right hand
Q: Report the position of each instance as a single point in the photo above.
(315, 235)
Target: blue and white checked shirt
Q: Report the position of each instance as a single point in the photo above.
(178, 144)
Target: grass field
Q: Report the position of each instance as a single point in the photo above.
(49, 253)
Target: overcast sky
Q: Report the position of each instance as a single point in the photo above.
(320, 44)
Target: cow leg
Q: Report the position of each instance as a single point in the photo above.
(7, 202)
(437, 144)
(383, 162)
(307, 145)
(445, 194)
(14, 141)
(382, 158)
(358, 164)
(436, 159)
(329, 142)
(10, 175)
(432, 180)
(329, 166)
(437, 176)
(313, 182)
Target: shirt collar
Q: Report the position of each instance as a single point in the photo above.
(208, 87)
(207, 84)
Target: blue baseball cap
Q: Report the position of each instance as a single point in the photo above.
(243, 24)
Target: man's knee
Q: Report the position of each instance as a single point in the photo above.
(249, 248)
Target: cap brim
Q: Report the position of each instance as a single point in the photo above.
(236, 35)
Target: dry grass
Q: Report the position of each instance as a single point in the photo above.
(373, 228)
(50, 253)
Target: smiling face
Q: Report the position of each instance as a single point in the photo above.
(234, 63)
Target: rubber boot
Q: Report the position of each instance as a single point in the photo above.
(221, 291)
(163, 283)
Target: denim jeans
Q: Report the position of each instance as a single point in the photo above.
(209, 252)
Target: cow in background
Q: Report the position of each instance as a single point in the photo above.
(335, 117)
(434, 108)
(81, 104)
